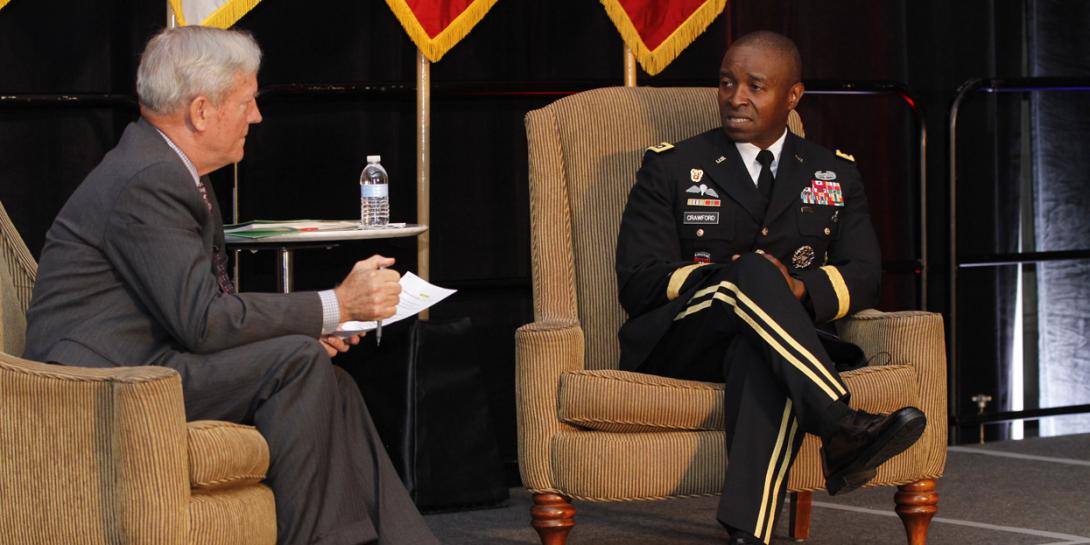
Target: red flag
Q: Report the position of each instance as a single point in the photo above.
(657, 31)
(435, 26)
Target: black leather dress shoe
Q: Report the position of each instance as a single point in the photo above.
(863, 441)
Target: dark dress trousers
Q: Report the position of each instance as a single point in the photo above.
(696, 314)
(127, 277)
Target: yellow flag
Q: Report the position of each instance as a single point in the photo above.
(217, 13)
(3, 3)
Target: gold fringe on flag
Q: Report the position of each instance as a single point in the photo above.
(224, 17)
(435, 48)
(3, 3)
(656, 61)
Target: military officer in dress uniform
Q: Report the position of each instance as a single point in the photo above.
(733, 246)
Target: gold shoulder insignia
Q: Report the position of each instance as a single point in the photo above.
(661, 147)
(845, 156)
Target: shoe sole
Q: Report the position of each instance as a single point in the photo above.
(901, 434)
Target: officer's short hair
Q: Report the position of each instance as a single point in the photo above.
(782, 45)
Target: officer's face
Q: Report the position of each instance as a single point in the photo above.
(756, 92)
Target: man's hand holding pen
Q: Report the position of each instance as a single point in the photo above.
(370, 292)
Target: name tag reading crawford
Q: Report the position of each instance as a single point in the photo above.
(701, 218)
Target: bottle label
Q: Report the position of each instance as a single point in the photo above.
(370, 191)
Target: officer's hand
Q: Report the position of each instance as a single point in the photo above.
(370, 291)
(797, 287)
(334, 345)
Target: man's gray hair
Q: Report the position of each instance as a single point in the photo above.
(180, 64)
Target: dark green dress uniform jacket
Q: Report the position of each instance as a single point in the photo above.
(694, 205)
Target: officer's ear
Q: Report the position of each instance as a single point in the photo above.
(794, 94)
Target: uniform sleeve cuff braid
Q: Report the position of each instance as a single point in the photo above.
(677, 280)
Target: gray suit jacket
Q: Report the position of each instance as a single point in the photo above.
(126, 274)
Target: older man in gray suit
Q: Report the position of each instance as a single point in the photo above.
(134, 273)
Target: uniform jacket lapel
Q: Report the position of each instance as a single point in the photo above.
(791, 178)
(731, 175)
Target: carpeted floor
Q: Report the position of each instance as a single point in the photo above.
(1032, 492)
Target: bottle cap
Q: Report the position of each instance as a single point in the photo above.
(374, 158)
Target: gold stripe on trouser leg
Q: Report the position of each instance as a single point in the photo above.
(781, 438)
(779, 479)
(831, 387)
(742, 298)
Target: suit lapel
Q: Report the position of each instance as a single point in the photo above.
(791, 178)
(731, 175)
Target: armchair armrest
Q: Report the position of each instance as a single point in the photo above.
(915, 338)
(543, 351)
(103, 449)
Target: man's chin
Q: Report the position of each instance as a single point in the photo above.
(738, 135)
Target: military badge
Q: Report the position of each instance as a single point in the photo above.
(703, 189)
(825, 193)
(702, 257)
(659, 148)
(807, 196)
(696, 175)
(720, 159)
(845, 156)
(825, 175)
(704, 202)
(803, 257)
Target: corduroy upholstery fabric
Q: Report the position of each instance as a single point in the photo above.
(18, 271)
(243, 515)
(104, 456)
(654, 437)
(225, 455)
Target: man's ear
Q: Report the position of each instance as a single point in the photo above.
(794, 94)
(200, 109)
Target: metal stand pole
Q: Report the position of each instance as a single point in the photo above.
(423, 166)
(629, 68)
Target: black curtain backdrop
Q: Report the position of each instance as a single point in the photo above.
(304, 159)
(1058, 46)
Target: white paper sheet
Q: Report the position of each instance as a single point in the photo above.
(417, 294)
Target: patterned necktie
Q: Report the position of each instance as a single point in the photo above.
(219, 259)
(765, 179)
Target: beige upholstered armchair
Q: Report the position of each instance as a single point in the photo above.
(105, 456)
(588, 431)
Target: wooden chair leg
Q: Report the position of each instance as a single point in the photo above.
(916, 503)
(553, 516)
(801, 505)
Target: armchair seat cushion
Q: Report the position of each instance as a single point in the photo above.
(627, 402)
(225, 455)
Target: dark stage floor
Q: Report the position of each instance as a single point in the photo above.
(1031, 492)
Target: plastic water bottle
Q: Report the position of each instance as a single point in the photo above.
(374, 194)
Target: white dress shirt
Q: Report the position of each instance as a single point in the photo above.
(749, 156)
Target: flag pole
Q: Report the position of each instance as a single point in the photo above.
(629, 67)
(172, 22)
(423, 165)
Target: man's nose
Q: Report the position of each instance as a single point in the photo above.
(255, 115)
(738, 97)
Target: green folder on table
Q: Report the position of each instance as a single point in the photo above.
(256, 229)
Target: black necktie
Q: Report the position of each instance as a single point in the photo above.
(765, 179)
(219, 259)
